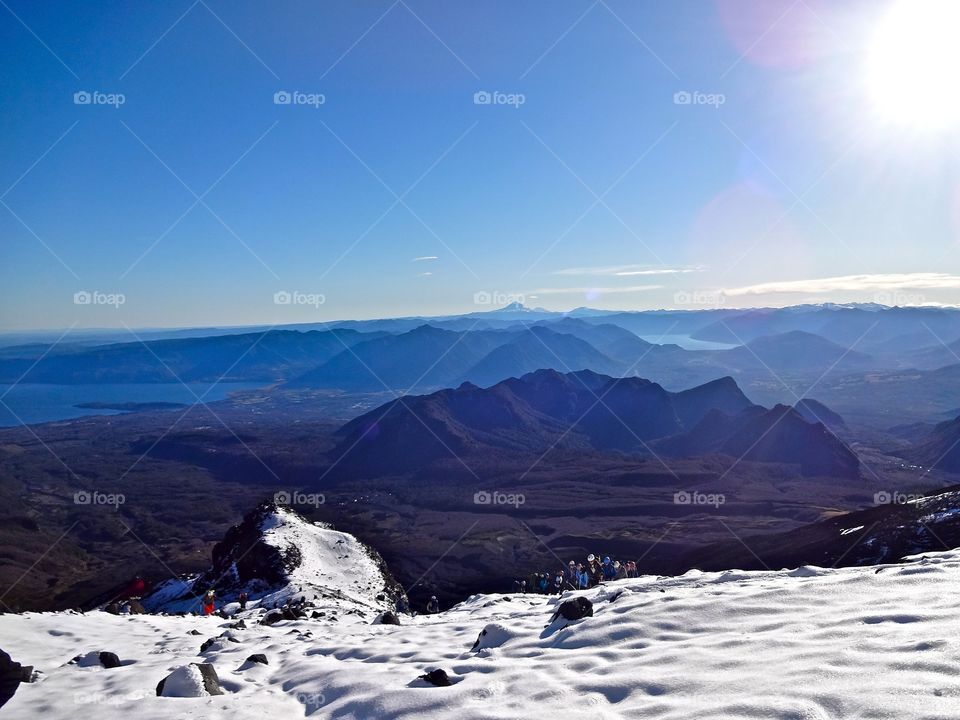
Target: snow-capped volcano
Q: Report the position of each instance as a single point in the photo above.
(279, 557)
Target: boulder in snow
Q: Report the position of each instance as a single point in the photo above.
(574, 609)
(436, 677)
(193, 680)
(258, 658)
(387, 618)
(11, 675)
(493, 635)
(109, 659)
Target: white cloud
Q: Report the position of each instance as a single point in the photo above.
(628, 270)
(889, 281)
(425, 257)
(424, 274)
(595, 290)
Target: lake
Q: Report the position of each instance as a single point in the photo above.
(687, 342)
(37, 403)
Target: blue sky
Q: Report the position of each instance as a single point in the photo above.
(587, 179)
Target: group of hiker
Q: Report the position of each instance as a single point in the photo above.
(577, 576)
(402, 606)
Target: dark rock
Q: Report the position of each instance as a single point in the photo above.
(232, 639)
(211, 682)
(574, 609)
(238, 625)
(109, 660)
(272, 617)
(290, 613)
(11, 675)
(207, 644)
(136, 608)
(317, 614)
(258, 658)
(389, 618)
(194, 632)
(112, 608)
(436, 677)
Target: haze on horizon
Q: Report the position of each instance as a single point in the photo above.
(206, 162)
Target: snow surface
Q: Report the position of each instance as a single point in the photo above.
(814, 644)
(337, 573)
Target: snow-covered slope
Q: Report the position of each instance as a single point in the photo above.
(278, 557)
(808, 644)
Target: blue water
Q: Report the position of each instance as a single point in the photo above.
(687, 342)
(35, 403)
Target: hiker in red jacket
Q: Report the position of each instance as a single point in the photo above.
(209, 602)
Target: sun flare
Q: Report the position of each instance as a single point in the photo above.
(912, 63)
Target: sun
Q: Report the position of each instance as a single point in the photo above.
(912, 64)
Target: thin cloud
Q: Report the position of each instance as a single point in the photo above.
(424, 274)
(628, 270)
(423, 258)
(597, 290)
(889, 281)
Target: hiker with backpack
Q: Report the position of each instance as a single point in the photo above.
(433, 607)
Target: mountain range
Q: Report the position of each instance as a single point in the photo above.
(587, 411)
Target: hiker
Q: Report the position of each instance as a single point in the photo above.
(558, 582)
(433, 607)
(209, 602)
(543, 584)
(403, 605)
(570, 576)
(583, 578)
(608, 570)
(242, 599)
